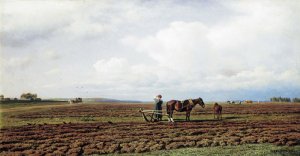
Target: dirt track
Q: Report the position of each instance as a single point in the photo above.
(129, 137)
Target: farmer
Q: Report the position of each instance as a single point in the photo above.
(158, 102)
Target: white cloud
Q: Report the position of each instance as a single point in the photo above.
(112, 66)
(241, 53)
(177, 48)
(51, 55)
(33, 20)
(119, 72)
(17, 62)
(54, 71)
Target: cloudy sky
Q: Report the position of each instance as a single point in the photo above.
(217, 50)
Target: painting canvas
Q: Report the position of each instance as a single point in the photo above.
(149, 77)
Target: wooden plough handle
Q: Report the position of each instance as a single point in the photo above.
(151, 114)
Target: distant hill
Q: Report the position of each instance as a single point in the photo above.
(56, 99)
(100, 100)
(97, 100)
(109, 100)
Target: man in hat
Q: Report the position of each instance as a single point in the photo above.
(158, 102)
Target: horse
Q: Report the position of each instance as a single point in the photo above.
(217, 110)
(184, 106)
(77, 100)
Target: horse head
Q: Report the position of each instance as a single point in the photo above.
(200, 102)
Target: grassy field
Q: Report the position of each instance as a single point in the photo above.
(9, 115)
(245, 150)
(66, 118)
(9, 111)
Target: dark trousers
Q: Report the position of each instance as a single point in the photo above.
(158, 108)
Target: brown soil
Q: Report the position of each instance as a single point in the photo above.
(100, 138)
(130, 110)
(138, 137)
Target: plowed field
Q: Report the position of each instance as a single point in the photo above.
(137, 137)
(130, 110)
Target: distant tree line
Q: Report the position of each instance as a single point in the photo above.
(284, 99)
(30, 96)
(23, 97)
(296, 99)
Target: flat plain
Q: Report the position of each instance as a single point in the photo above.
(118, 128)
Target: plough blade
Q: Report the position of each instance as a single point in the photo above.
(151, 114)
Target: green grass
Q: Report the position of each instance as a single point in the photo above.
(11, 122)
(245, 150)
(8, 121)
(9, 111)
(30, 104)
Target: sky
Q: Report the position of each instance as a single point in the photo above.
(136, 49)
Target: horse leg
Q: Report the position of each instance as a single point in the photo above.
(187, 116)
(172, 110)
(169, 115)
(172, 113)
(169, 110)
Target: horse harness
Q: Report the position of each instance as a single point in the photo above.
(191, 103)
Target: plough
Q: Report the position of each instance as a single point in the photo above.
(151, 114)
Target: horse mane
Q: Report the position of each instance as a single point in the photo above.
(196, 100)
(191, 101)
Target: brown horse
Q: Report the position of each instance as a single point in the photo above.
(217, 110)
(184, 106)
